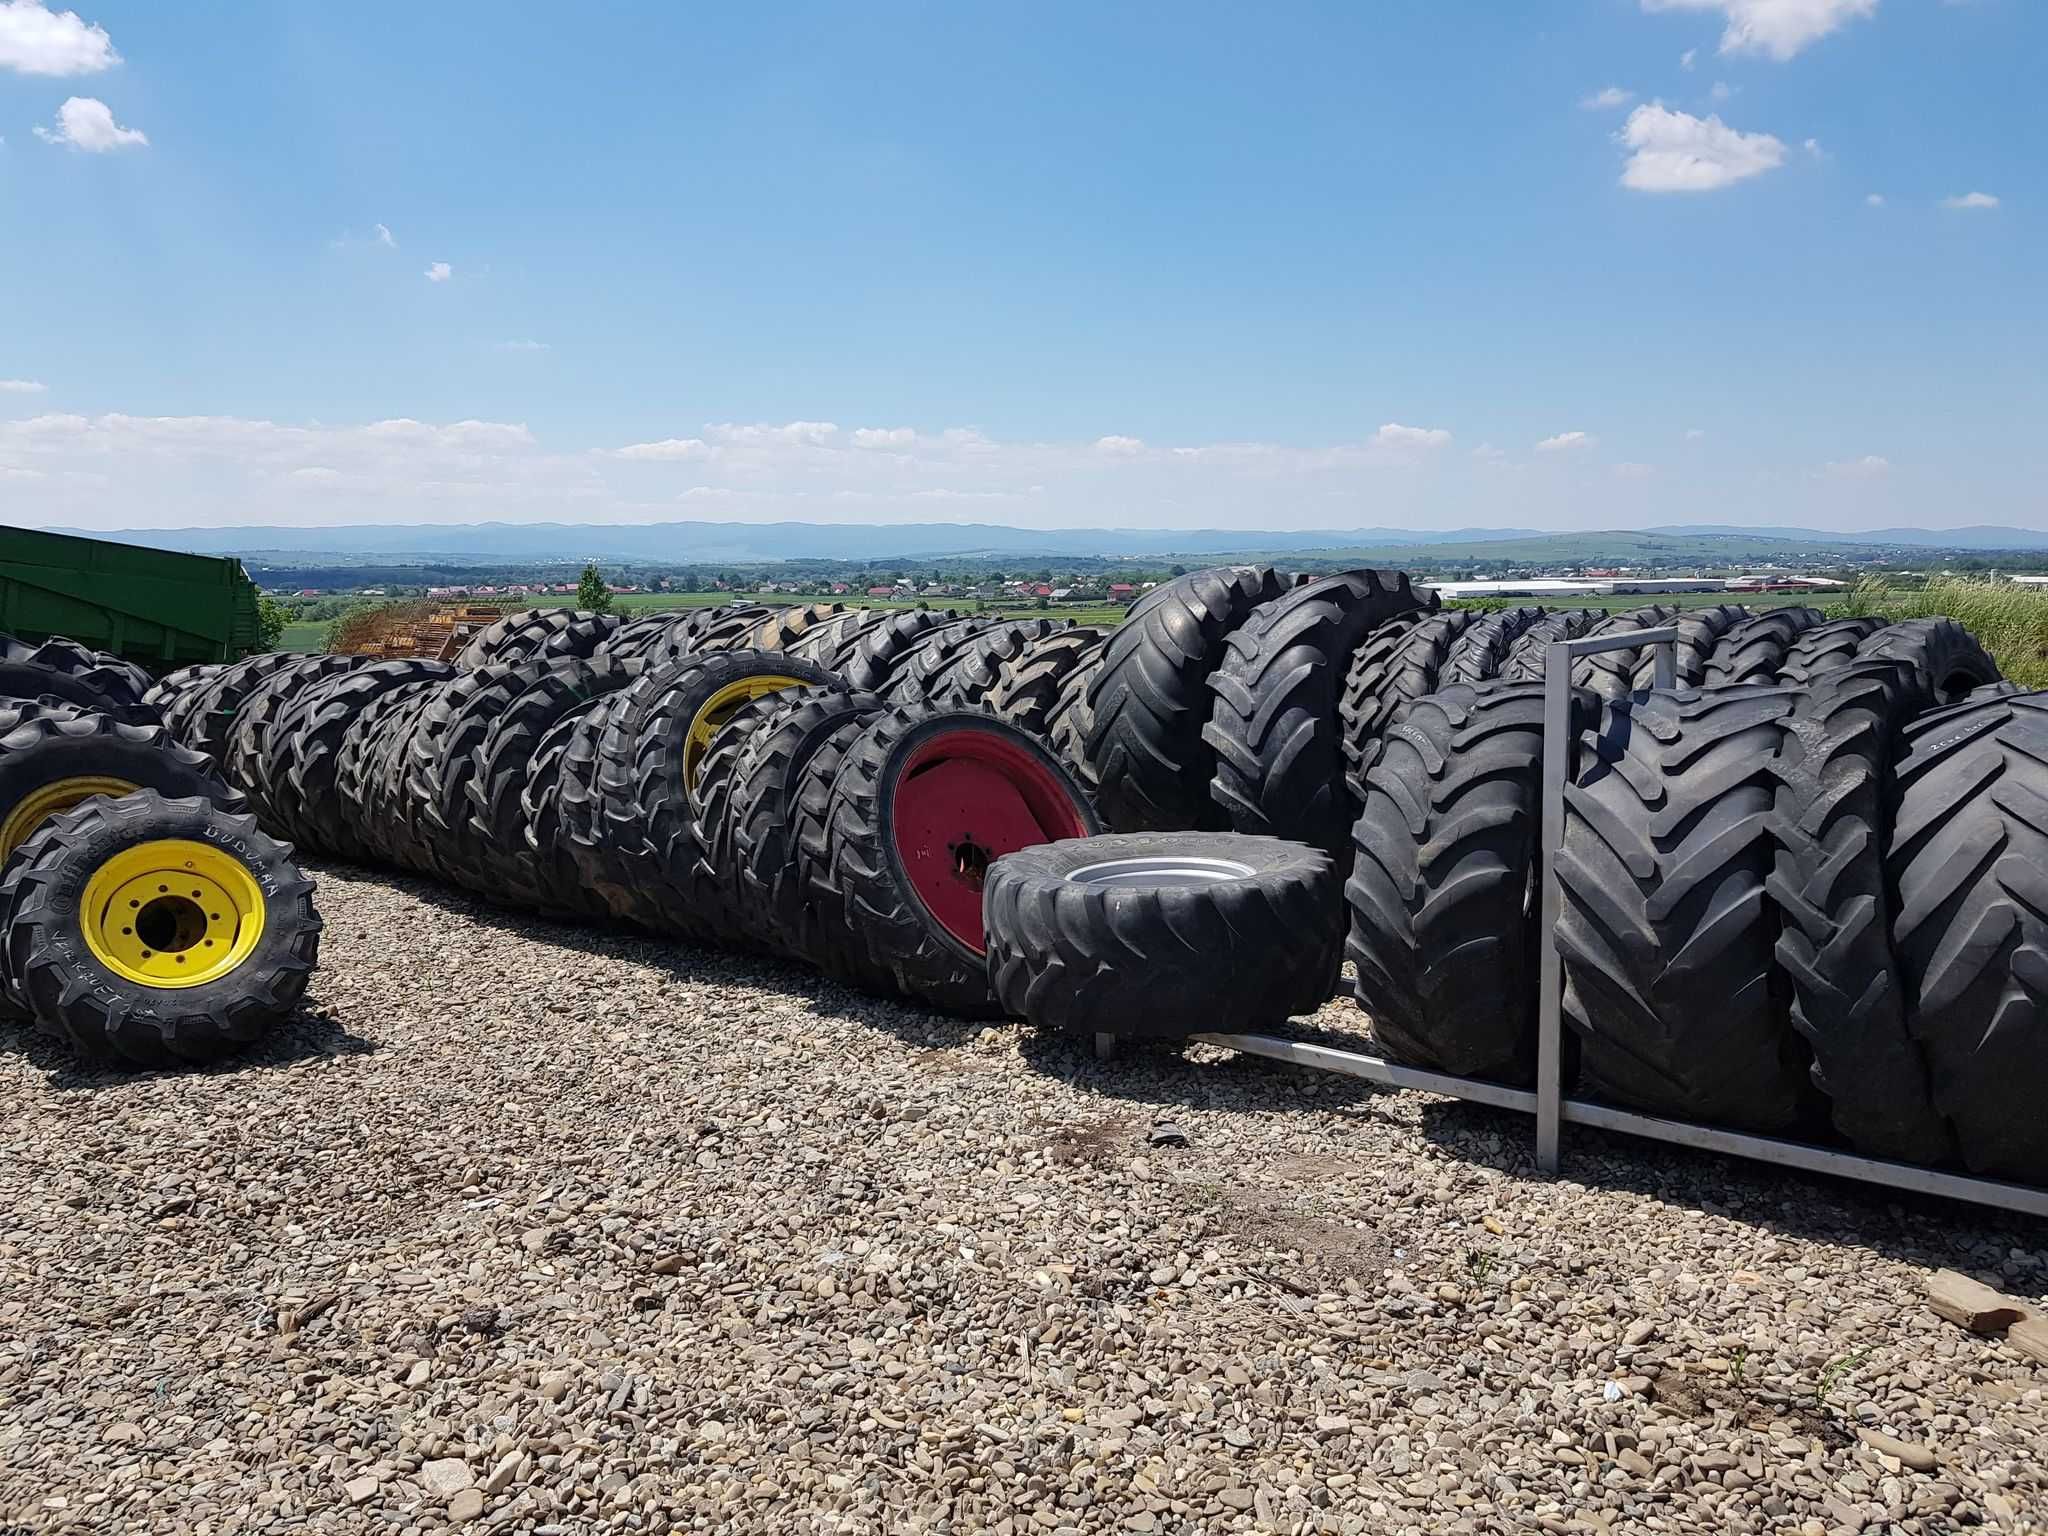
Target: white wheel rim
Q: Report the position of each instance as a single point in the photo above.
(1161, 869)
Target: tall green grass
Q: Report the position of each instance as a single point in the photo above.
(2011, 621)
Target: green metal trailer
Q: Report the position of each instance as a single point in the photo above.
(155, 607)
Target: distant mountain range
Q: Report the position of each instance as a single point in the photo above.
(751, 543)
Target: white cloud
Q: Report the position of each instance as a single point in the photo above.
(1875, 200)
(1607, 100)
(438, 272)
(808, 434)
(1486, 453)
(35, 40)
(1720, 90)
(1566, 442)
(523, 346)
(1685, 59)
(385, 237)
(1870, 467)
(884, 437)
(1813, 148)
(1394, 435)
(1121, 447)
(1776, 28)
(22, 387)
(87, 124)
(1694, 434)
(667, 450)
(1971, 200)
(1677, 152)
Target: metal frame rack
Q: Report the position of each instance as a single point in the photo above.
(1546, 1100)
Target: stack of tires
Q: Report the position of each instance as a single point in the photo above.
(1803, 893)
(144, 917)
(824, 784)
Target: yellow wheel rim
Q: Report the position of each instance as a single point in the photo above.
(39, 805)
(172, 913)
(718, 709)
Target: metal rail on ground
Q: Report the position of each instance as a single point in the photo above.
(1546, 1101)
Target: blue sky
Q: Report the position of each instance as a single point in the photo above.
(1590, 263)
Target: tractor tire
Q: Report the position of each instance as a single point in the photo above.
(1611, 674)
(176, 706)
(1825, 648)
(583, 637)
(1969, 860)
(1161, 935)
(1946, 658)
(729, 627)
(210, 721)
(442, 762)
(922, 804)
(1445, 893)
(1699, 632)
(53, 755)
(821, 931)
(1528, 656)
(252, 744)
(64, 669)
(612, 876)
(303, 772)
(565, 891)
(785, 626)
(1026, 692)
(1754, 651)
(1071, 720)
(1400, 661)
(397, 819)
(830, 642)
(163, 694)
(1830, 825)
(762, 811)
(915, 676)
(502, 763)
(192, 966)
(636, 637)
(958, 668)
(1276, 731)
(1151, 702)
(516, 637)
(1483, 649)
(870, 663)
(1667, 937)
(654, 743)
(356, 831)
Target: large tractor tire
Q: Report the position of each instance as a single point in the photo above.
(781, 630)
(166, 692)
(156, 932)
(1276, 731)
(209, 723)
(1612, 674)
(253, 743)
(728, 627)
(915, 674)
(302, 772)
(442, 762)
(638, 637)
(1699, 632)
(1071, 720)
(1150, 702)
(1399, 662)
(1667, 937)
(356, 831)
(1528, 656)
(613, 875)
(407, 838)
(1969, 860)
(516, 637)
(831, 641)
(64, 669)
(502, 763)
(565, 890)
(1754, 651)
(1947, 660)
(869, 663)
(762, 812)
(958, 668)
(52, 756)
(821, 931)
(1830, 825)
(1444, 895)
(1825, 648)
(655, 742)
(923, 803)
(581, 638)
(1483, 649)
(1026, 692)
(1162, 935)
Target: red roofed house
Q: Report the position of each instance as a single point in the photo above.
(881, 591)
(1122, 589)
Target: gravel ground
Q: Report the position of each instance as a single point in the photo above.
(529, 1229)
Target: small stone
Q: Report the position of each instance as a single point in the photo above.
(669, 1264)
(466, 1505)
(712, 1431)
(1638, 1333)
(1167, 1134)
(121, 1433)
(447, 1477)
(360, 1490)
(1238, 1498)
(502, 1473)
(1971, 1304)
(420, 1374)
(1919, 1457)
(1635, 1463)
(2030, 1337)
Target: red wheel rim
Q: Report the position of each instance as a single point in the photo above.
(964, 799)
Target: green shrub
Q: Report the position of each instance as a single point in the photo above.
(2010, 620)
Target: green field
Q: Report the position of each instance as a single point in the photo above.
(304, 637)
(632, 604)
